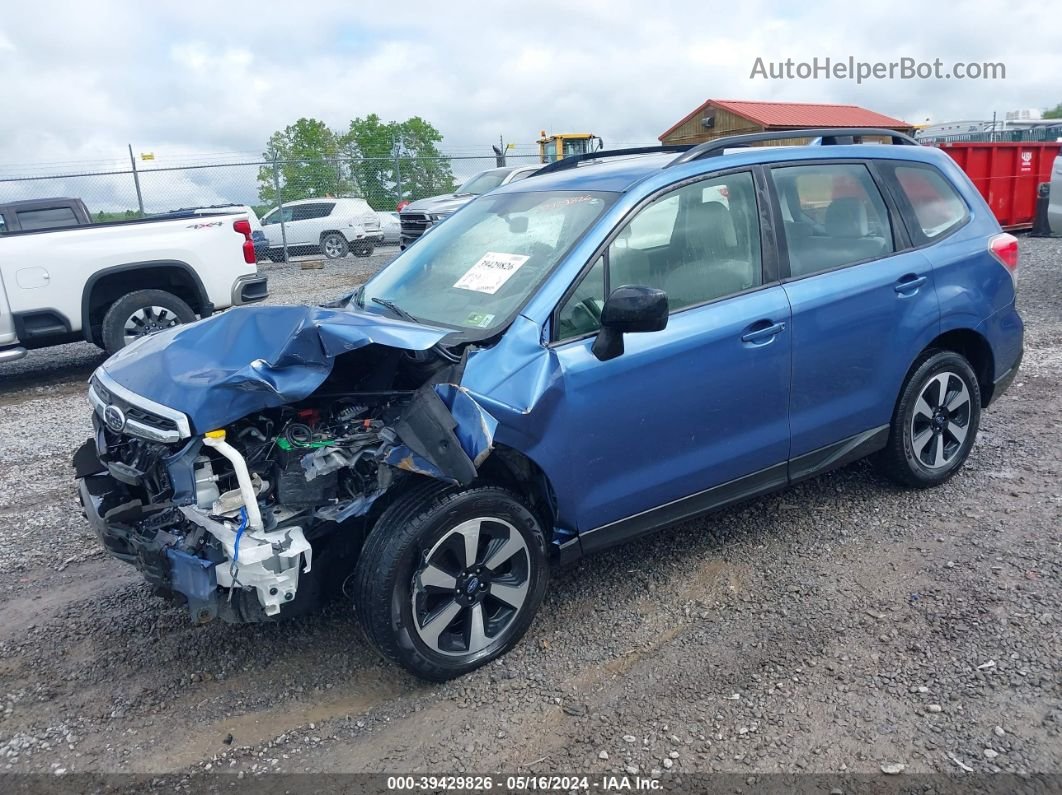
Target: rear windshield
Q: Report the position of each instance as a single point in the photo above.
(46, 218)
(485, 182)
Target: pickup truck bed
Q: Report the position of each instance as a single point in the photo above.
(110, 283)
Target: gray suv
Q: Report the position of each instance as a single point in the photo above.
(1054, 206)
(416, 218)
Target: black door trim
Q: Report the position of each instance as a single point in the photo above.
(838, 454)
(742, 488)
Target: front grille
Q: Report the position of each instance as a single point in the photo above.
(414, 224)
(140, 421)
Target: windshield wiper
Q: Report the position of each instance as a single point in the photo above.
(387, 302)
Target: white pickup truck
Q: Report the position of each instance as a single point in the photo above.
(111, 283)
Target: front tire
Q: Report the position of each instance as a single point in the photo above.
(935, 422)
(450, 579)
(141, 313)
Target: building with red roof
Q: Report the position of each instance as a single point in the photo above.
(717, 117)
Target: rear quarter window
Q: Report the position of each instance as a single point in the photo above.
(935, 206)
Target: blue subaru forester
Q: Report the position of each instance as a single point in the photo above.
(626, 340)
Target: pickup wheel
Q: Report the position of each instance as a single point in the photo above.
(334, 245)
(450, 579)
(142, 313)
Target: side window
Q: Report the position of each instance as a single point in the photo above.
(653, 226)
(833, 216)
(936, 206)
(581, 313)
(698, 244)
(305, 212)
(3, 224)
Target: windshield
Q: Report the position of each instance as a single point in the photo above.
(476, 269)
(484, 182)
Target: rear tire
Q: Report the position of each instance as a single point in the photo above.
(449, 579)
(935, 422)
(364, 249)
(334, 245)
(141, 313)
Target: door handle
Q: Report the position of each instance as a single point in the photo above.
(760, 333)
(909, 284)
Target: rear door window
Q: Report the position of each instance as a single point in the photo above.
(935, 205)
(46, 218)
(833, 215)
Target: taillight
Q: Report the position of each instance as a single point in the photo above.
(1004, 248)
(243, 227)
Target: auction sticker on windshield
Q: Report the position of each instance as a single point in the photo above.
(491, 272)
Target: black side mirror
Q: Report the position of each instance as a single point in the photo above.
(629, 309)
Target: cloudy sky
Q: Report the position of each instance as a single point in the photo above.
(189, 79)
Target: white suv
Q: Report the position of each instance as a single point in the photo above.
(334, 227)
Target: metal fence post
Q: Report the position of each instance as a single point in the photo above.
(136, 182)
(280, 206)
(397, 147)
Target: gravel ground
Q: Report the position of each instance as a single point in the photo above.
(844, 625)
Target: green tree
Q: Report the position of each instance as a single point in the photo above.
(370, 145)
(384, 162)
(309, 163)
(1054, 113)
(396, 160)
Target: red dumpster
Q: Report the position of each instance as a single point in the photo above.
(1007, 175)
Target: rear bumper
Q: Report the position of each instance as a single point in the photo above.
(250, 290)
(1005, 333)
(1004, 381)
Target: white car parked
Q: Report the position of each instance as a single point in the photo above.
(333, 227)
(390, 227)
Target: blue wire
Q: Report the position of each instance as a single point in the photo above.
(239, 534)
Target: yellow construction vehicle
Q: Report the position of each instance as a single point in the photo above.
(552, 148)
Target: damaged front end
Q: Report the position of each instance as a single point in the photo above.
(248, 521)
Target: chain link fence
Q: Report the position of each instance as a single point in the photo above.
(116, 191)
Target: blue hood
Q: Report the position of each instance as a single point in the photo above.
(246, 359)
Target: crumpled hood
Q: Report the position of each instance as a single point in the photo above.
(446, 203)
(246, 359)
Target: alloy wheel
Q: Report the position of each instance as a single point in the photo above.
(940, 422)
(471, 586)
(333, 246)
(148, 320)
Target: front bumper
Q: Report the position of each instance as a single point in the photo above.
(169, 550)
(250, 289)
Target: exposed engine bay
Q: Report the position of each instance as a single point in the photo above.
(230, 518)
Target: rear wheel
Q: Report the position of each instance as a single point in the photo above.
(141, 313)
(364, 249)
(935, 422)
(334, 245)
(450, 579)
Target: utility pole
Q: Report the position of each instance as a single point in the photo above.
(499, 152)
(280, 204)
(136, 182)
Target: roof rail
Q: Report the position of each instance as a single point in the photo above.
(571, 161)
(831, 136)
